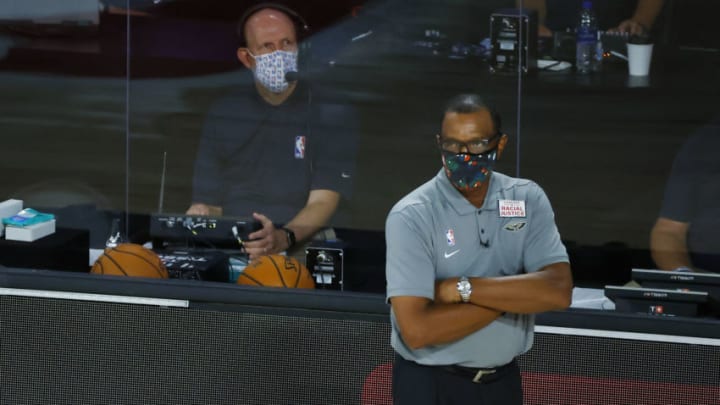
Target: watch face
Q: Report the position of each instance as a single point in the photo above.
(465, 289)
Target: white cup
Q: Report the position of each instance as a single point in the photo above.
(639, 56)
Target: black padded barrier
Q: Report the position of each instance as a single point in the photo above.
(265, 346)
(75, 352)
(565, 369)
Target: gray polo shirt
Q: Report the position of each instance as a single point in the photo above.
(435, 233)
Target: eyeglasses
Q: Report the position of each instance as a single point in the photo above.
(477, 147)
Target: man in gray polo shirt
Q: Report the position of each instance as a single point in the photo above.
(471, 255)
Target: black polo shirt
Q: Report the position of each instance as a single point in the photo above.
(256, 157)
(692, 195)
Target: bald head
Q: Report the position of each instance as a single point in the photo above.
(266, 26)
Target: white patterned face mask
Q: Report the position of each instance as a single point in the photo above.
(270, 69)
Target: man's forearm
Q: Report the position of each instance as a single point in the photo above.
(668, 244)
(309, 220)
(439, 323)
(315, 215)
(545, 290)
(647, 11)
(669, 251)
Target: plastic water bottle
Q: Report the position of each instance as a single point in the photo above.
(586, 39)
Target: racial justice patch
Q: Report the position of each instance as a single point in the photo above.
(511, 208)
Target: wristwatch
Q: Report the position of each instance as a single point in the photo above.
(464, 288)
(290, 237)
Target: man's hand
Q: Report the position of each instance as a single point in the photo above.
(632, 27)
(204, 209)
(643, 19)
(268, 240)
(446, 291)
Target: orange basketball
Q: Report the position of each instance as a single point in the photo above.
(129, 259)
(276, 271)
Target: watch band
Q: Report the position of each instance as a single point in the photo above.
(290, 237)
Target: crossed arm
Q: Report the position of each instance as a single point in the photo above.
(425, 322)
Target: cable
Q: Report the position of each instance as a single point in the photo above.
(238, 238)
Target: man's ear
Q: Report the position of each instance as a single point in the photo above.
(243, 55)
(501, 144)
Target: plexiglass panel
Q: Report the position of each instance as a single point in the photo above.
(603, 143)
(64, 114)
(127, 109)
(373, 76)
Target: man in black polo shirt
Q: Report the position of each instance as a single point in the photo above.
(634, 17)
(686, 235)
(274, 151)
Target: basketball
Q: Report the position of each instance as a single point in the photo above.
(276, 271)
(129, 259)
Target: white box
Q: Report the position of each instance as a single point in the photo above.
(9, 208)
(30, 233)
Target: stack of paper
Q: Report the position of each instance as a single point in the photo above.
(28, 225)
(30, 233)
(9, 208)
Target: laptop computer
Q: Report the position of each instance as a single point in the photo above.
(672, 280)
(656, 301)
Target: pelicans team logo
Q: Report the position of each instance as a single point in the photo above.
(299, 147)
(450, 235)
(515, 226)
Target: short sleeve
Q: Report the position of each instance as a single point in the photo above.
(682, 184)
(543, 246)
(410, 270)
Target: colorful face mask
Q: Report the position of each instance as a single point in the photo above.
(270, 69)
(468, 171)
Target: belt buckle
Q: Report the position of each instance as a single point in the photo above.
(482, 373)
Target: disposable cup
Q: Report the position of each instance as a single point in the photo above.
(639, 56)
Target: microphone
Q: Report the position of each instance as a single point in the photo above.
(485, 244)
(293, 76)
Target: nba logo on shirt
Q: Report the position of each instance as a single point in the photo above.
(450, 235)
(300, 147)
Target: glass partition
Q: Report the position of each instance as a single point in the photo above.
(602, 144)
(64, 115)
(107, 105)
(387, 67)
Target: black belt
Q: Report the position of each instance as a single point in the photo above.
(479, 375)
